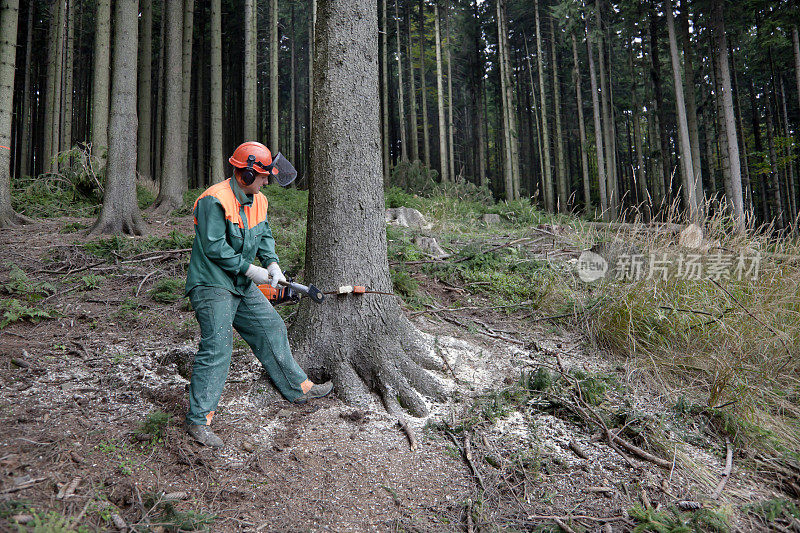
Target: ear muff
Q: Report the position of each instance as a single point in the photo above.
(248, 173)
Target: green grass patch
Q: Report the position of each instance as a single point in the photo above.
(174, 519)
(168, 290)
(124, 247)
(19, 284)
(672, 520)
(13, 310)
(154, 426)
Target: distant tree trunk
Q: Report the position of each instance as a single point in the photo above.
(479, 103)
(250, 71)
(508, 172)
(549, 192)
(400, 91)
(773, 165)
(412, 94)
(662, 146)
(789, 158)
(608, 121)
(735, 201)
(368, 345)
(691, 105)
(384, 37)
(144, 89)
(443, 166)
(450, 147)
(120, 213)
(293, 97)
(173, 174)
(215, 139)
(687, 168)
(535, 114)
(274, 141)
(598, 131)
(26, 140)
(426, 142)
(100, 87)
(746, 186)
(69, 54)
(796, 48)
(576, 75)
(561, 162)
(639, 170)
(186, 91)
(203, 180)
(158, 132)
(9, 15)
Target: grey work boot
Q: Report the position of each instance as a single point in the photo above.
(318, 390)
(203, 434)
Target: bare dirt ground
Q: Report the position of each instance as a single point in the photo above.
(76, 389)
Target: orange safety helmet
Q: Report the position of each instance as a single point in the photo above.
(253, 158)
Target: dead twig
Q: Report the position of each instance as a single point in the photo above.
(412, 438)
(563, 525)
(726, 473)
(139, 288)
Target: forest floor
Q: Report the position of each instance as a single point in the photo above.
(93, 396)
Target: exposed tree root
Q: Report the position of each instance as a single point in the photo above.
(11, 218)
(164, 205)
(128, 225)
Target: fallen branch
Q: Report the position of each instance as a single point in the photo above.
(726, 473)
(23, 486)
(412, 438)
(563, 525)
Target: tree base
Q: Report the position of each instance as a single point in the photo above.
(128, 225)
(9, 218)
(387, 356)
(165, 205)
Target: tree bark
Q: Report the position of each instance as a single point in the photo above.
(598, 132)
(662, 147)
(508, 172)
(67, 100)
(549, 192)
(274, 141)
(367, 345)
(608, 122)
(401, 97)
(480, 125)
(563, 191)
(250, 71)
(120, 213)
(100, 86)
(796, 49)
(639, 170)
(9, 16)
(158, 130)
(426, 142)
(384, 37)
(687, 168)
(443, 165)
(144, 89)
(293, 95)
(26, 140)
(535, 114)
(412, 93)
(691, 104)
(746, 186)
(173, 174)
(735, 201)
(450, 148)
(312, 22)
(576, 75)
(215, 133)
(186, 92)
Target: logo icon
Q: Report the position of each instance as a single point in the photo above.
(591, 266)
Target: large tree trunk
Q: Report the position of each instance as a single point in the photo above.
(443, 167)
(687, 168)
(120, 213)
(250, 71)
(384, 37)
(561, 162)
(173, 173)
(293, 95)
(450, 148)
(549, 192)
(100, 86)
(735, 201)
(576, 75)
(158, 131)
(26, 139)
(426, 141)
(215, 139)
(401, 97)
(691, 105)
(412, 92)
(144, 89)
(480, 96)
(9, 15)
(598, 131)
(363, 343)
(274, 141)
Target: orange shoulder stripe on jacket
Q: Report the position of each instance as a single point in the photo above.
(224, 194)
(257, 212)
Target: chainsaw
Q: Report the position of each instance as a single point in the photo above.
(289, 291)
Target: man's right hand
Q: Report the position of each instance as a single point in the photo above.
(259, 275)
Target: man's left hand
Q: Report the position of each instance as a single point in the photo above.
(276, 274)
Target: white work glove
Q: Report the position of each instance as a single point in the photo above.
(259, 275)
(275, 273)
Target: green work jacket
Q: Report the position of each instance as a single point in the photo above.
(230, 231)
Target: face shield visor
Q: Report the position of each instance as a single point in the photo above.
(280, 168)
